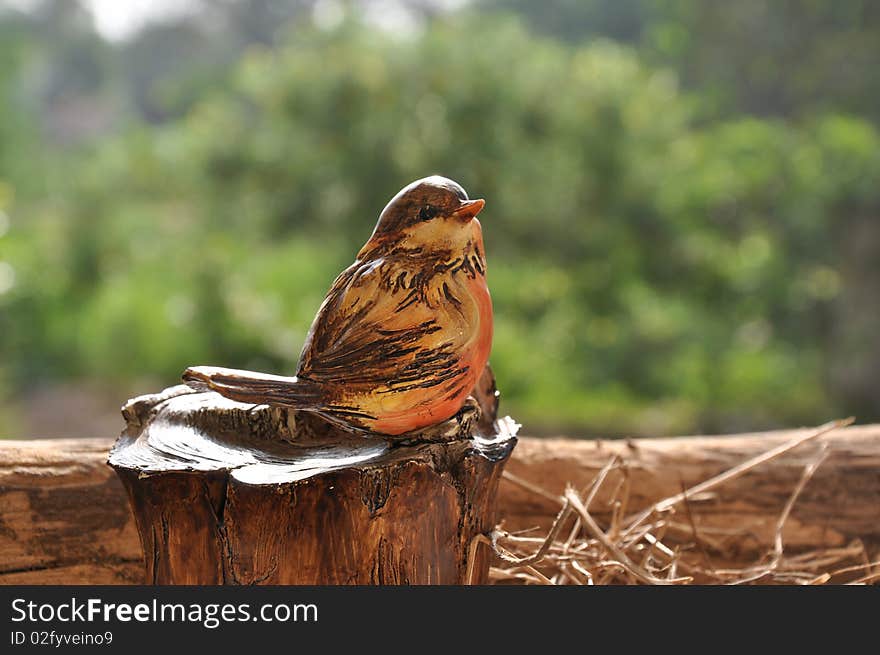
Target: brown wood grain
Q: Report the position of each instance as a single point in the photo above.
(64, 516)
(231, 493)
(841, 502)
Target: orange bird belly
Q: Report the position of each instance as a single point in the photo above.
(405, 411)
(469, 324)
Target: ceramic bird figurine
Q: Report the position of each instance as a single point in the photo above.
(404, 333)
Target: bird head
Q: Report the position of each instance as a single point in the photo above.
(433, 213)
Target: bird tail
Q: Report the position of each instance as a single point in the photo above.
(252, 387)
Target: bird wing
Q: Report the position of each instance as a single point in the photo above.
(379, 326)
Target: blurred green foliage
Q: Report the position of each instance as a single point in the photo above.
(783, 57)
(652, 271)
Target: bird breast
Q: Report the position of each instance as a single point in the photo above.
(402, 337)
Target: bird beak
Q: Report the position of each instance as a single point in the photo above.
(468, 209)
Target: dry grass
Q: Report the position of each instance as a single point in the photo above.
(661, 545)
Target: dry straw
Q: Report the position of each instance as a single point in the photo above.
(661, 545)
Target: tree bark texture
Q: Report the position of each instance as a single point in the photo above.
(841, 501)
(227, 493)
(65, 517)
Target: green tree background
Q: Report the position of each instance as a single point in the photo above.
(683, 218)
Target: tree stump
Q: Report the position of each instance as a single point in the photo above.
(228, 493)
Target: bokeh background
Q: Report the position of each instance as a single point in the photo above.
(683, 218)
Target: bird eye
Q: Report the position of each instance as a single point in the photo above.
(427, 212)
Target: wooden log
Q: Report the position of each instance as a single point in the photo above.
(840, 503)
(64, 517)
(228, 493)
